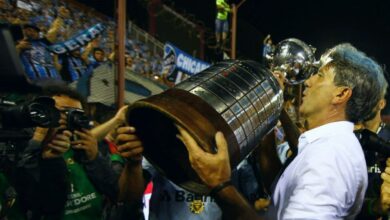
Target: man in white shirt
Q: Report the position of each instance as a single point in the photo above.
(328, 177)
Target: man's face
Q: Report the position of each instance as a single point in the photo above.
(63, 102)
(319, 92)
(30, 33)
(99, 56)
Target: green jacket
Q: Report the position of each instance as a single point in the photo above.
(222, 10)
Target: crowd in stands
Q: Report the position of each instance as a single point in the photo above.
(82, 170)
(63, 20)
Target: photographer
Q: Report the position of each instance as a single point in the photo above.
(67, 178)
(376, 203)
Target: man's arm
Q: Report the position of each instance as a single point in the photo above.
(268, 160)
(57, 64)
(51, 34)
(266, 39)
(214, 170)
(291, 131)
(88, 49)
(102, 130)
(131, 181)
(22, 45)
(234, 206)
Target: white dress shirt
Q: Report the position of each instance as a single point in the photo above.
(327, 179)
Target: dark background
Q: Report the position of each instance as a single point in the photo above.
(365, 24)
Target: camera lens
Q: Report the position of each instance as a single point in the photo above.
(39, 115)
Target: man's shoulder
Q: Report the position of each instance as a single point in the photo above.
(333, 148)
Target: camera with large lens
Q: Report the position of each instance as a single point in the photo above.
(40, 112)
(15, 119)
(370, 141)
(76, 119)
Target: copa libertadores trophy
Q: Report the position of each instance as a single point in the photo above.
(241, 98)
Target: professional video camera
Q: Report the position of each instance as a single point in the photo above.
(370, 141)
(40, 112)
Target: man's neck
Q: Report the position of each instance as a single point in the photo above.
(373, 124)
(319, 119)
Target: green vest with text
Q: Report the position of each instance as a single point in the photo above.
(84, 202)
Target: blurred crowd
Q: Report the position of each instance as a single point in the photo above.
(88, 163)
(59, 21)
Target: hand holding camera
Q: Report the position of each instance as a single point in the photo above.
(56, 141)
(86, 142)
(83, 142)
(57, 146)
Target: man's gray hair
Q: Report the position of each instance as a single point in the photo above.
(362, 74)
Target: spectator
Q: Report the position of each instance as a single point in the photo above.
(221, 23)
(73, 66)
(38, 61)
(268, 48)
(129, 63)
(93, 55)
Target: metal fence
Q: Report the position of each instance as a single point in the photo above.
(134, 32)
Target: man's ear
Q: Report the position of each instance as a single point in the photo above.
(382, 103)
(342, 95)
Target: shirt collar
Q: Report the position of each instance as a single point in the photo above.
(322, 131)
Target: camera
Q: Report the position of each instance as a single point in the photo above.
(370, 141)
(40, 112)
(76, 119)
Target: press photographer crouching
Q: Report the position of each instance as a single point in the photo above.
(65, 179)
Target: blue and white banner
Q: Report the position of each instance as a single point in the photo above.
(176, 59)
(77, 41)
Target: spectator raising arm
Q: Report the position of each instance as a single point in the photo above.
(51, 34)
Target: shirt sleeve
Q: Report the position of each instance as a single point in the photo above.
(103, 176)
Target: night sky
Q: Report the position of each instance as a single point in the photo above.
(365, 24)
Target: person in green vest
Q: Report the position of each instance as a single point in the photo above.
(221, 22)
(72, 175)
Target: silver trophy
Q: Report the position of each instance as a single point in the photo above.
(240, 98)
(295, 59)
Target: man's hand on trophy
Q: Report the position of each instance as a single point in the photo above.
(129, 145)
(280, 76)
(213, 169)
